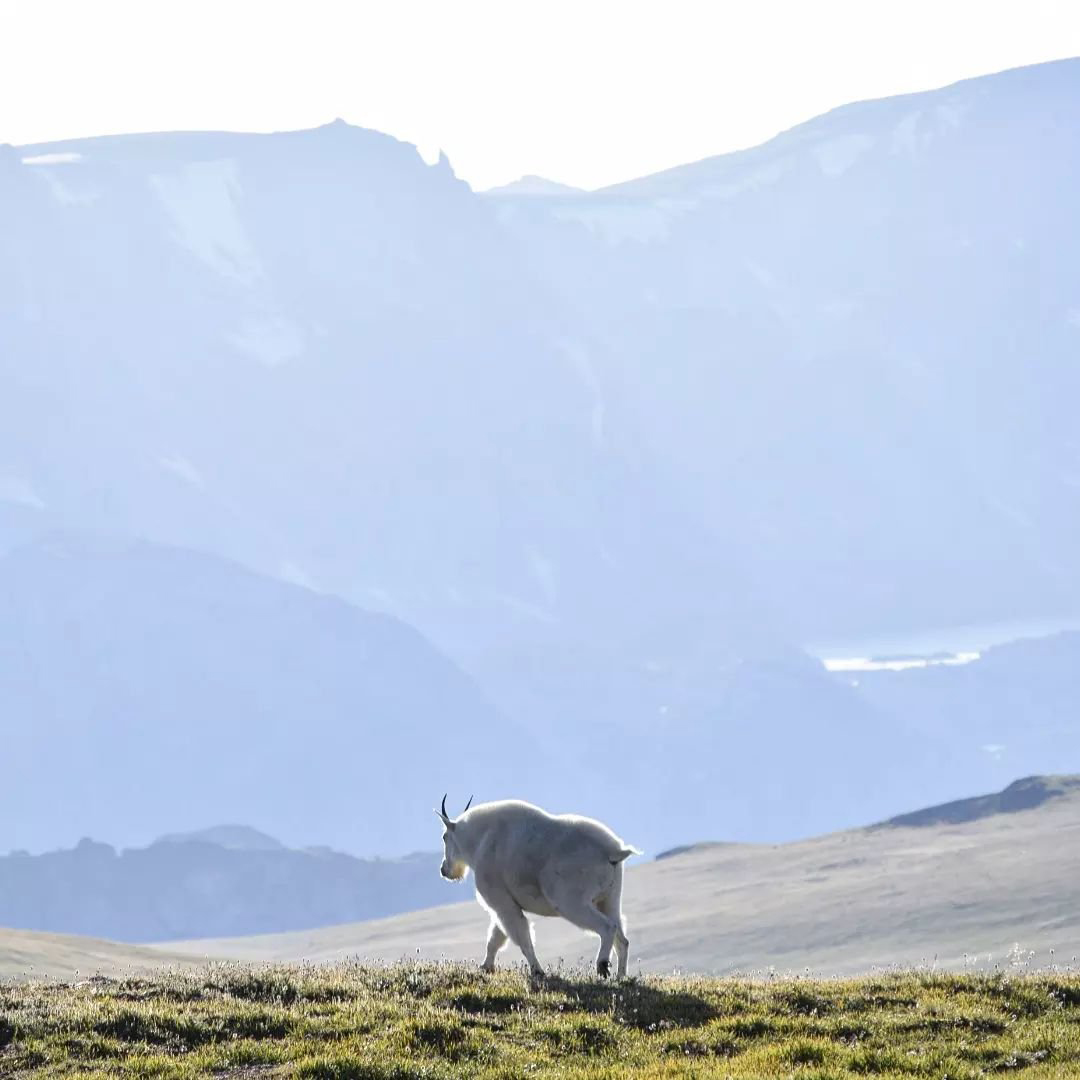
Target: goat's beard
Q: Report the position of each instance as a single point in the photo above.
(455, 872)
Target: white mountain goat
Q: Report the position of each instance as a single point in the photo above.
(526, 860)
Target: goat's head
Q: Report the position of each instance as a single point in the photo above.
(454, 867)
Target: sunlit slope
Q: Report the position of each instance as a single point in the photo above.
(950, 894)
(29, 954)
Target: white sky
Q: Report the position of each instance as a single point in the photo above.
(587, 92)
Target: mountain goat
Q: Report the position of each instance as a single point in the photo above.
(526, 860)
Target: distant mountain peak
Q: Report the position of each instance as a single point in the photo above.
(231, 837)
(1023, 794)
(534, 185)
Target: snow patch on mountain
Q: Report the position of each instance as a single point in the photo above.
(752, 181)
(919, 128)
(523, 607)
(17, 489)
(579, 357)
(616, 222)
(52, 159)
(543, 570)
(273, 342)
(761, 274)
(905, 136)
(201, 201)
(295, 574)
(951, 113)
(642, 220)
(63, 187)
(836, 156)
(182, 468)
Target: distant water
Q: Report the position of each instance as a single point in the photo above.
(942, 645)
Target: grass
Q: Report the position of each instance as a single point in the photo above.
(447, 1021)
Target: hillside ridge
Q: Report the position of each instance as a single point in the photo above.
(1026, 793)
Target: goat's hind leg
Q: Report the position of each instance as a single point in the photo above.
(622, 948)
(611, 904)
(588, 916)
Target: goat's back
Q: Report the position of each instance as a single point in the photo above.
(516, 819)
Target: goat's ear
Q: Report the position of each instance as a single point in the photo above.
(443, 818)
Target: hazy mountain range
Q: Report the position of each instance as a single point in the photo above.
(328, 485)
(853, 348)
(986, 882)
(214, 882)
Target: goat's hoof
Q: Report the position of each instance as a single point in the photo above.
(603, 968)
(488, 969)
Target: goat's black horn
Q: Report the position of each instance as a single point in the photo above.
(468, 804)
(443, 810)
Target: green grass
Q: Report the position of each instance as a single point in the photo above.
(448, 1021)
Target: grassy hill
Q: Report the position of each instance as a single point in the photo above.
(446, 1022)
(960, 894)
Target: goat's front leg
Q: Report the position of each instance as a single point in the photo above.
(506, 912)
(496, 940)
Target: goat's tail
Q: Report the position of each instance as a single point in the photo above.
(624, 853)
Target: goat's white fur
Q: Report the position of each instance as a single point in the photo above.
(527, 861)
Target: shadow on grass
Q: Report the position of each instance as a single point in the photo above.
(632, 1003)
(495, 1003)
(187, 1032)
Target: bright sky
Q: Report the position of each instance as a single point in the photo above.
(588, 92)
